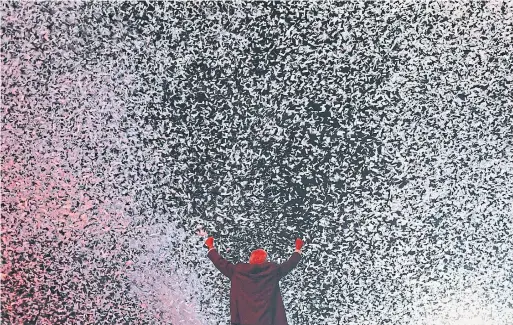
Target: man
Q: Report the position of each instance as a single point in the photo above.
(255, 296)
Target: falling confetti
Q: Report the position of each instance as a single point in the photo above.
(379, 132)
(202, 233)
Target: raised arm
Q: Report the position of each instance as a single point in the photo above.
(220, 263)
(293, 261)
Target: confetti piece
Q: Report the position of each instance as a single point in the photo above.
(202, 233)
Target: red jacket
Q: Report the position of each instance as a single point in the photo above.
(255, 296)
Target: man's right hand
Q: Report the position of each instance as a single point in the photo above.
(209, 242)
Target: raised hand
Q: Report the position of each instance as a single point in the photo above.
(299, 244)
(209, 242)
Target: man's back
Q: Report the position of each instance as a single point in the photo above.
(257, 286)
(255, 296)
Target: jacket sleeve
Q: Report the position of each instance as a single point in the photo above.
(287, 266)
(220, 263)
